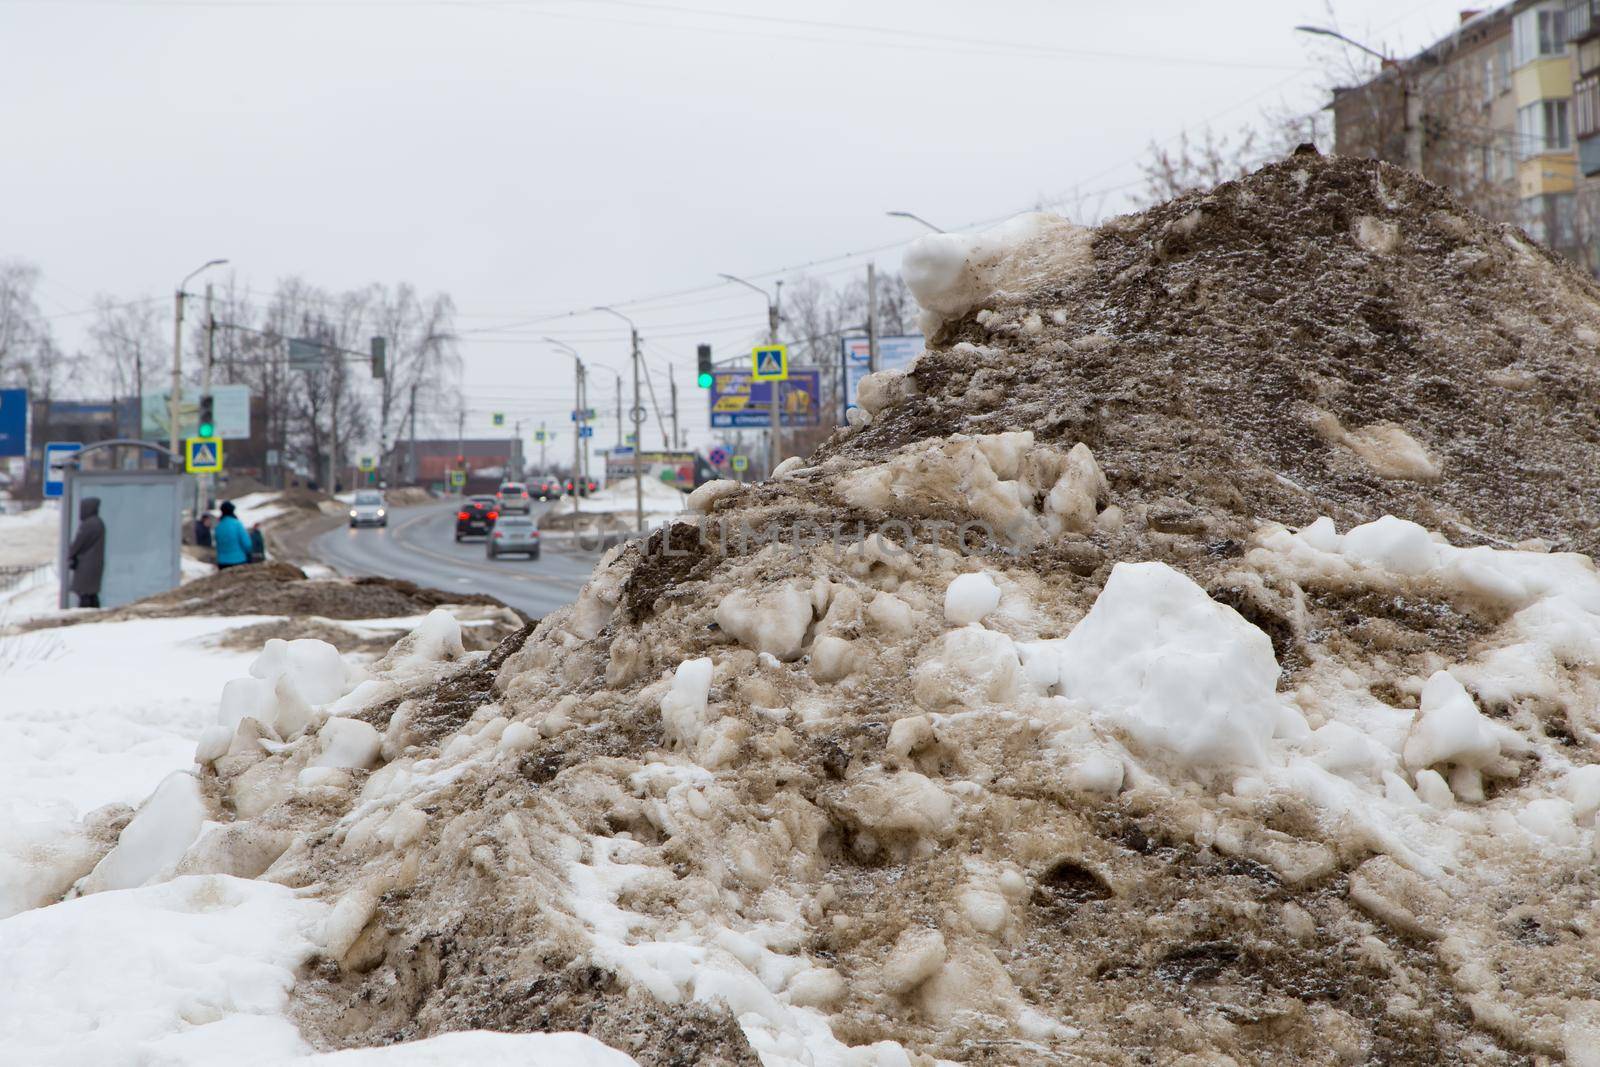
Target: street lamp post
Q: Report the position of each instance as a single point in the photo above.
(175, 397)
(577, 419)
(1411, 128)
(914, 218)
(773, 315)
(637, 417)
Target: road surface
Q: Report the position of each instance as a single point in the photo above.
(419, 545)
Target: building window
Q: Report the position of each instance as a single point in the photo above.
(1589, 56)
(1503, 64)
(1539, 32)
(1586, 107)
(1579, 18)
(1542, 127)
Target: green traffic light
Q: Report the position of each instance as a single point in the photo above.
(705, 380)
(207, 430)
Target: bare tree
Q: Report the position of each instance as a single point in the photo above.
(126, 345)
(28, 352)
(422, 359)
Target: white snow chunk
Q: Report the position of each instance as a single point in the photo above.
(1450, 729)
(950, 274)
(788, 466)
(1392, 544)
(917, 956)
(348, 743)
(191, 972)
(318, 671)
(970, 597)
(481, 1048)
(156, 839)
(683, 707)
(1185, 676)
(704, 497)
(774, 622)
(1582, 788)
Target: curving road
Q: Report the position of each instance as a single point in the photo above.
(419, 545)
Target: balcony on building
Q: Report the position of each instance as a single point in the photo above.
(1583, 20)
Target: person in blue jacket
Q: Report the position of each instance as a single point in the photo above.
(233, 540)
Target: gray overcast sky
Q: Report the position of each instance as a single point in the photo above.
(530, 158)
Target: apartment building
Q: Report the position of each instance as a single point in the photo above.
(1505, 111)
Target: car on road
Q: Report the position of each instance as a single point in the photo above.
(476, 516)
(513, 534)
(547, 488)
(513, 496)
(367, 509)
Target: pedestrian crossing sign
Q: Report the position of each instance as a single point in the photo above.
(539, 436)
(741, 463)
(499, 418)
(367, 463)
(770, 363)
(202, 455)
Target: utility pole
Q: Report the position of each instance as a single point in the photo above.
(206, 490)
(461, 447)
(637, 417)
(175, 397)
(774, 313)
(872, 318)
(543, 439)
(619, 407)
(411, 475)
(677, 442)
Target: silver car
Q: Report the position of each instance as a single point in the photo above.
(367, 510)
(513, 534)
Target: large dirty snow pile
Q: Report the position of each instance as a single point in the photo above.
(1189, 660)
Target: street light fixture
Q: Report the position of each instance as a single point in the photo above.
(578, 475)
(174, 397)
(637, 416)
(1411, 129)
(914, 218)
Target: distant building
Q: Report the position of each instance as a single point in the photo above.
(484, 459)
(1505, 111)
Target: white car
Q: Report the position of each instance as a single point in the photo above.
(368, 510)
(513, 496)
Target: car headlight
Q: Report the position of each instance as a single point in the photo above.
(380, 513)
(352, 513)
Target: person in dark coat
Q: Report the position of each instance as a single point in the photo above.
(202, 530)
(233, 540)
(87, 554)
(258, 544)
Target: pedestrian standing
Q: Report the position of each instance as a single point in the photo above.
(258, 544)
(233, 540)
(202, 530)
(86, 556)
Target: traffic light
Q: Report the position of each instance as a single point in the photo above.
(705, 379)
(208, 420)
(380, 349)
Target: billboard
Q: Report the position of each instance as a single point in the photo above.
(738, 401)
(230, 406)
(894, 353)
(13, 422)
(676, 469)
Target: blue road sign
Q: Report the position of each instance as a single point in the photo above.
(587, 413)
(586, 431)
(718, 456)
(13, 422)
(56, 456)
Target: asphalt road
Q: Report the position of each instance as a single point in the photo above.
(419, 545)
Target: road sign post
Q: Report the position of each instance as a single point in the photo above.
(202, 455)
(57, 454)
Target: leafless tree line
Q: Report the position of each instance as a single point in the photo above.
(316, 420)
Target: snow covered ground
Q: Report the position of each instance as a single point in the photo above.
(662, 503)
(28, 538)
(194, 969)
(257, 507)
